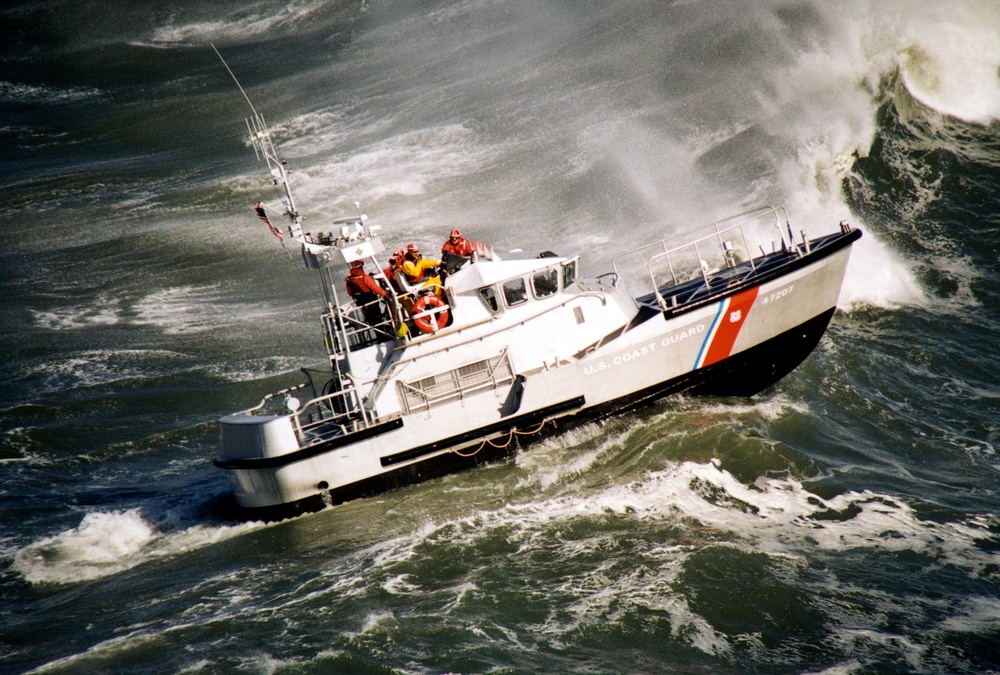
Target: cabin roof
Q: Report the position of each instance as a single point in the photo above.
(488, 272)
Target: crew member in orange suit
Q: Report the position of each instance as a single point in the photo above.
(365, 292)
(457, 245)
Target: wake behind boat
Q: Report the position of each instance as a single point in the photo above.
(431, 378)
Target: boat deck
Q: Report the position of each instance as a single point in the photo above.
(674, 299)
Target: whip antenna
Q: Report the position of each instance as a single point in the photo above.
(233, 75)
(260, 137)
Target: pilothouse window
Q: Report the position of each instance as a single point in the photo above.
(515, 292)
(569, 274)
(545, 282)
(489, 296)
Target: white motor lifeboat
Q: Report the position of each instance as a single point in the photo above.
(440, 379)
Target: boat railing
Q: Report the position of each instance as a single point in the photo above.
(703, 252)
(358, 332)
(270, 397)
(457, 383)
(397, 309)
(329, 416)
(320, 418)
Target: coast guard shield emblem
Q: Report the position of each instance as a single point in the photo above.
(735, 316)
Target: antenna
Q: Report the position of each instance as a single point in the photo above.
(260, 137)
(232, 75)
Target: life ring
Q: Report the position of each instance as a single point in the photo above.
(427, 314)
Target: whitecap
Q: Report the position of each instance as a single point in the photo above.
(196, 309)
(109, 542)
(405, 164)
(238, 26)
(17, 92)
(574, 456)
(771, 408)
(101, 653)
(376, 620)
(104, 311)
(103, 544)
(976, 615)
(878, 277)
(951, 66)
(862, 641)
(101, 367)
(255, 369)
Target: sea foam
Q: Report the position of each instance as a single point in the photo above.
(951, 65)
(196, 309)
(109, 542)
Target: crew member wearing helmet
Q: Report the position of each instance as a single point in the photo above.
(415, 266)
(395, 260)
(457, 245)
(365, 292)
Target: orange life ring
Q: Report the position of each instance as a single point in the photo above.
(423, 318)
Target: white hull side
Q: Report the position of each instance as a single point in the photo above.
(656, 351)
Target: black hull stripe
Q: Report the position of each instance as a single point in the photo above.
(528, 419)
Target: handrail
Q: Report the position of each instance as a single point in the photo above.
(271, 396)
(737, 225)
(460, 391)
(757, 214)
(354, 324)
(322, 415)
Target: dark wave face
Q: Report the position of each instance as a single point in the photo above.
(844, 521)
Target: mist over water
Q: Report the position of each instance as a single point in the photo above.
(844, 521)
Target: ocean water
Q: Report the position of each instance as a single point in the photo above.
(843, 521)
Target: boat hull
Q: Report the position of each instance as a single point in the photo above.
(744, 374)
(737, 342)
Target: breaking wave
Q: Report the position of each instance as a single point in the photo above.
(106, 543)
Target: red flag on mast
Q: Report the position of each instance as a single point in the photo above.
(262, 214)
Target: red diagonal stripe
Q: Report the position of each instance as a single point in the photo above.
(730, 325)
